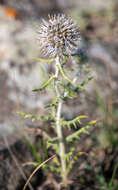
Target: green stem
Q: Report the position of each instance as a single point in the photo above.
(63, 74)
(58, 126)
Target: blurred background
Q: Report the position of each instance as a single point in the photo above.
(20, 73)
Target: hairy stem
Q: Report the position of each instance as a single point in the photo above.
(58, 127)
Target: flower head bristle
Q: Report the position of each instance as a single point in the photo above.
(58, 35)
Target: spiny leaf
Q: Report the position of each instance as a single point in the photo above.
(92, 122)
(63, 74)
(83, 130)
(74, 121)
(45, 60)
(77, 155)
(70, 92)
(56, 161)
(79, 86)
(74, 124)
(31, 163)
(33, 117)
(53, 104)
(77, 134)
(47, 83)
(43, 73)
(54, 146)
(82, 116)
(44, 77)
(86, 81)
(54, 140)
(67, 156)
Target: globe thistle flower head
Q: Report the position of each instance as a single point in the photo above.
(58, 35)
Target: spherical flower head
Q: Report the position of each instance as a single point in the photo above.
(58, 36)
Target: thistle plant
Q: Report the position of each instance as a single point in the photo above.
(59, 39)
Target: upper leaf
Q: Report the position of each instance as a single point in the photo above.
(45, 60)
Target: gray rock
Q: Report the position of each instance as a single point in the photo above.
(19, 71)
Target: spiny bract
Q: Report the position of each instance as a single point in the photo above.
(59, 35)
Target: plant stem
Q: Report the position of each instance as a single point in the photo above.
(58, 127)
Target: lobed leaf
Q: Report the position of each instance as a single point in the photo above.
(86, 81)
(92, 122)
(54, 140)
(31, 163)
(47, 83)
(83, 130)
(64, 75)
(77, 134)
(33, 117)
(70, 92)
(74, 121)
